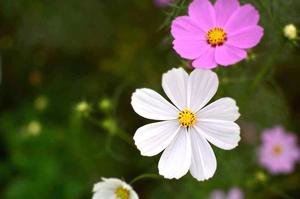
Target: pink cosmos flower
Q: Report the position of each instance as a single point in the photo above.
(234, 193)
(279, 151)
(162, 3)
(216, 34)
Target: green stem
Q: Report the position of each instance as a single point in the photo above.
(145, 176)
(124, 136)
(175, 11)
(92, 120)
(279, 193)
(262, 73)
(265, 70)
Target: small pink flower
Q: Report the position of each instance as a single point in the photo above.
(216, 34)
(279, 151)
(234, 193)
(162, 3)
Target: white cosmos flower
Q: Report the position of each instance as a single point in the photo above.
(187, 126)
(113, 188)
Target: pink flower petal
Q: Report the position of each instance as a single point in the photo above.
(246, 38)
(228, 55)
(184, 27)
(235, 193)
(243, 17)
(207, 60)
(224, 9)
(189, 49)
(203, 13)
(286, 160)
(217, 194)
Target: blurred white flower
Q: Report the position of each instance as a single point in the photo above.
(188, 126)
(290, 31)
(113, 188)
(34, 128)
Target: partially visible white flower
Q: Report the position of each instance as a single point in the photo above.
(113, 188)
(290, 31)
(186, 126)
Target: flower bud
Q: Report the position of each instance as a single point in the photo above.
(34, 128)
(105, 104)
(290, 31)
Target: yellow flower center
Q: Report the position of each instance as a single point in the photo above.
(122, 193)
(216, 36)
(277, 150)
(187, 118)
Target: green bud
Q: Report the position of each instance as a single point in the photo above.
(105, 104)
(110, 125)
(41, 103)
(34, 128)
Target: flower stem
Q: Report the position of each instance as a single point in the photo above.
(279, 193)
(176, 7)
(121, 134)
(144, 176)
(265, 70)
(125, 137)
(262, 73)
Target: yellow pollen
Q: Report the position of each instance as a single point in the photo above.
(216, 36)
(122, 193)
(186, 118)
(277, 150)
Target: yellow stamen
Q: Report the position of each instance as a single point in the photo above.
(277, 150)
(122, 193)
(187, 118)
(216, 36)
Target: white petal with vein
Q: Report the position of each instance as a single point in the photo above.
(149, 104)
(176, 159)
(153, 138)
(202, 86)
(204, 162)
(222, 109)
(221, 133)
(174, 83)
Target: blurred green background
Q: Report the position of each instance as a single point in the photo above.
(68, 69)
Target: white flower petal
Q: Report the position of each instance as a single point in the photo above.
(149, 104)
(174, 83)
(176, 159)
(153, 138)
(101, 195)
(222, 109)
(204, 162)
(133, 195)
(221, 133)
(107, 187)
(202, 86)
(107, 183)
